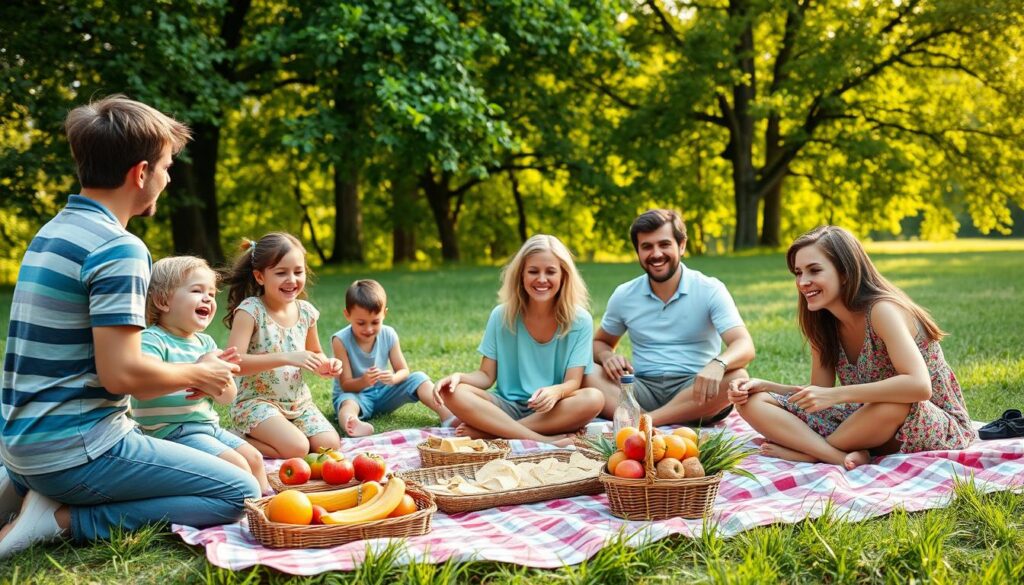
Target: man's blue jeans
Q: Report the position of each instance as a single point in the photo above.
(142, 480)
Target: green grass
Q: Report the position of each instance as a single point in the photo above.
(440, 315)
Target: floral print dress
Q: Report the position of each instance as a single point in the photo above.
(939, 423)
(279, 391)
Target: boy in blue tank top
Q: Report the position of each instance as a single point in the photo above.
(366, 347)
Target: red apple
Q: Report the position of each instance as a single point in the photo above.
(338, 471)
(635, 447)
(294, 471)
(629, 468)
(318, 511)
(368, 467)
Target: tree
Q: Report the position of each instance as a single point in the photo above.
(802, 89)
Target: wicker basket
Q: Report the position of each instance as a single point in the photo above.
(649, 498)
(582, 442)
(452, 503)
(279, 535)
(313, 485)
(435, 457)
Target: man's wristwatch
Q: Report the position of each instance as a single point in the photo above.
(724, 364)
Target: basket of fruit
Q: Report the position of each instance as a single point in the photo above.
(325, 471)
(655, 476)
(294, 519)
(437, 451)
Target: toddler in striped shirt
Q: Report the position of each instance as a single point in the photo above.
(180, 305)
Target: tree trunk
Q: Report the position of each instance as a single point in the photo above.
(520, 206)
(348, 220)
(439, 197)
(771, 224)
(195, 227)
(403, 218)
(742, 134)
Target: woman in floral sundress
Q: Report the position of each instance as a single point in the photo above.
(896, 392)
(275, 332)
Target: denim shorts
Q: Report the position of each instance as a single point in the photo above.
(206, 437)
(380, 398)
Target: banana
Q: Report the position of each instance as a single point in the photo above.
(346, 498)
(375, 509)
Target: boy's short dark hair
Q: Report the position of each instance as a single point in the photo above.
(368, 294)
(652, 220)
(114, 134)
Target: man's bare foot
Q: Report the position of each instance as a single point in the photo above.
(770, 449)
(357, 428)
(464, 430)
(855, 459)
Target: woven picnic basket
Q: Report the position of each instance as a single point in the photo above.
(650, 498)
(454, 503)
(280, 535)
(434, 457)
(582, 442)
(313, 485)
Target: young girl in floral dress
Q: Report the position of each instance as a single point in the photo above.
(896, 392)
(275, 332)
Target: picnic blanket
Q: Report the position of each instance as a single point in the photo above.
(569, 531)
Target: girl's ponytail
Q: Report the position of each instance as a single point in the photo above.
(239, 280)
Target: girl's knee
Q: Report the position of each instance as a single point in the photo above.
(895, 411)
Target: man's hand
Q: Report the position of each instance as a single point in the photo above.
(216, 374)
(705, 385)
(616, 366)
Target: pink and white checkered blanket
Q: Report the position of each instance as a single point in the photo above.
(569, 531)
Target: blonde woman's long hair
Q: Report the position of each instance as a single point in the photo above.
(861, 287)
(571, 296)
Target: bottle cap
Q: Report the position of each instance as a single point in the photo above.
(626, 379)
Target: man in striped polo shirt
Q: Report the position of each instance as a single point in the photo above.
(74, 464)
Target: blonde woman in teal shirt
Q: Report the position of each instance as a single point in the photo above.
(537, 346)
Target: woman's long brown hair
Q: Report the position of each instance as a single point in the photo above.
(861, 286)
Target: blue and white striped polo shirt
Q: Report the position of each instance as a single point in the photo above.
(82, 270)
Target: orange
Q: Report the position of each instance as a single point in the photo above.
(623, 434)
(614, 460)
(675, 447)
(406, 506)
(290, 507)
(686, 433)
(658, 447)
(691, 449)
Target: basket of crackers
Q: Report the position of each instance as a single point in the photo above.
(515, 480)
(395, 509)
(656, 476)
(455, 450)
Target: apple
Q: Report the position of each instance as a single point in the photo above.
(629, 468)
(368, 467)
(669, 468)
(318, 511)
(315, 463)
(294, 471)
(338, 471)
(635, 447)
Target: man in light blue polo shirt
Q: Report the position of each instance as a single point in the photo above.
(73, 463)
(677, 320)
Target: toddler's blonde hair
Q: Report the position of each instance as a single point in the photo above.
(168, 274)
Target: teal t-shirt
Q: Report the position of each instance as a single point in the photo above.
(524, 365)
(160, 416)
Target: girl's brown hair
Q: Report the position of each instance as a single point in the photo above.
(861, 287)
(259, 255)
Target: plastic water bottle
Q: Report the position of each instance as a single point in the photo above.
(627, 413)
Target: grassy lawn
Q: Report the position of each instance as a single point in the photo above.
(971, 288)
